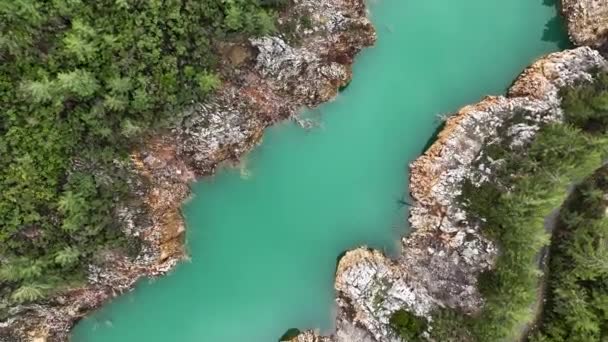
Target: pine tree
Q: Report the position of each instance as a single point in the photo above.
(78, 82)
(208, 82)
(38, 91)
(28, 293)
(67, 256)
(234, 17)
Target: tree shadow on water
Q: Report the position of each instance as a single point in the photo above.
(555, 29)
(433, 137)
(555, 32)
(289, 335)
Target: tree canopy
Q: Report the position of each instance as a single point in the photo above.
(80, 82)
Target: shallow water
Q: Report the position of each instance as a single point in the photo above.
(264, 243)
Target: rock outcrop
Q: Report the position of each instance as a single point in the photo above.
(266, 80)
(441, 259)
(587, 22)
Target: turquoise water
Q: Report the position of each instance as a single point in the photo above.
(264, 247)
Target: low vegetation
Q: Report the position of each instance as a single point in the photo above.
(80, 83)
(529, 183)
(408, 326)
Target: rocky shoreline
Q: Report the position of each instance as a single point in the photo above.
(370, 286)
(266, 80)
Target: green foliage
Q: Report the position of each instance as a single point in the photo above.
(234, 17)
(450, 326)
(274, 3)
(577, 300)
(408, 326)
(529, 183)
(265, 22)
(67, 256)
(515, 220)
(28, 293)
(208, 82)
(80, 83)
(587, 105)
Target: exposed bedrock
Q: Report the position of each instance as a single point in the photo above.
(587, 22)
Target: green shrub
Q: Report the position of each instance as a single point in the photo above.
(407, 325)
(587, 105)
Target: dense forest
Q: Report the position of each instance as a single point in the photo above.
(529, 184)
(80, 83)
(577, 299)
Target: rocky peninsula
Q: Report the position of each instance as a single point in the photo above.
(441, 259)
(266, 80)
